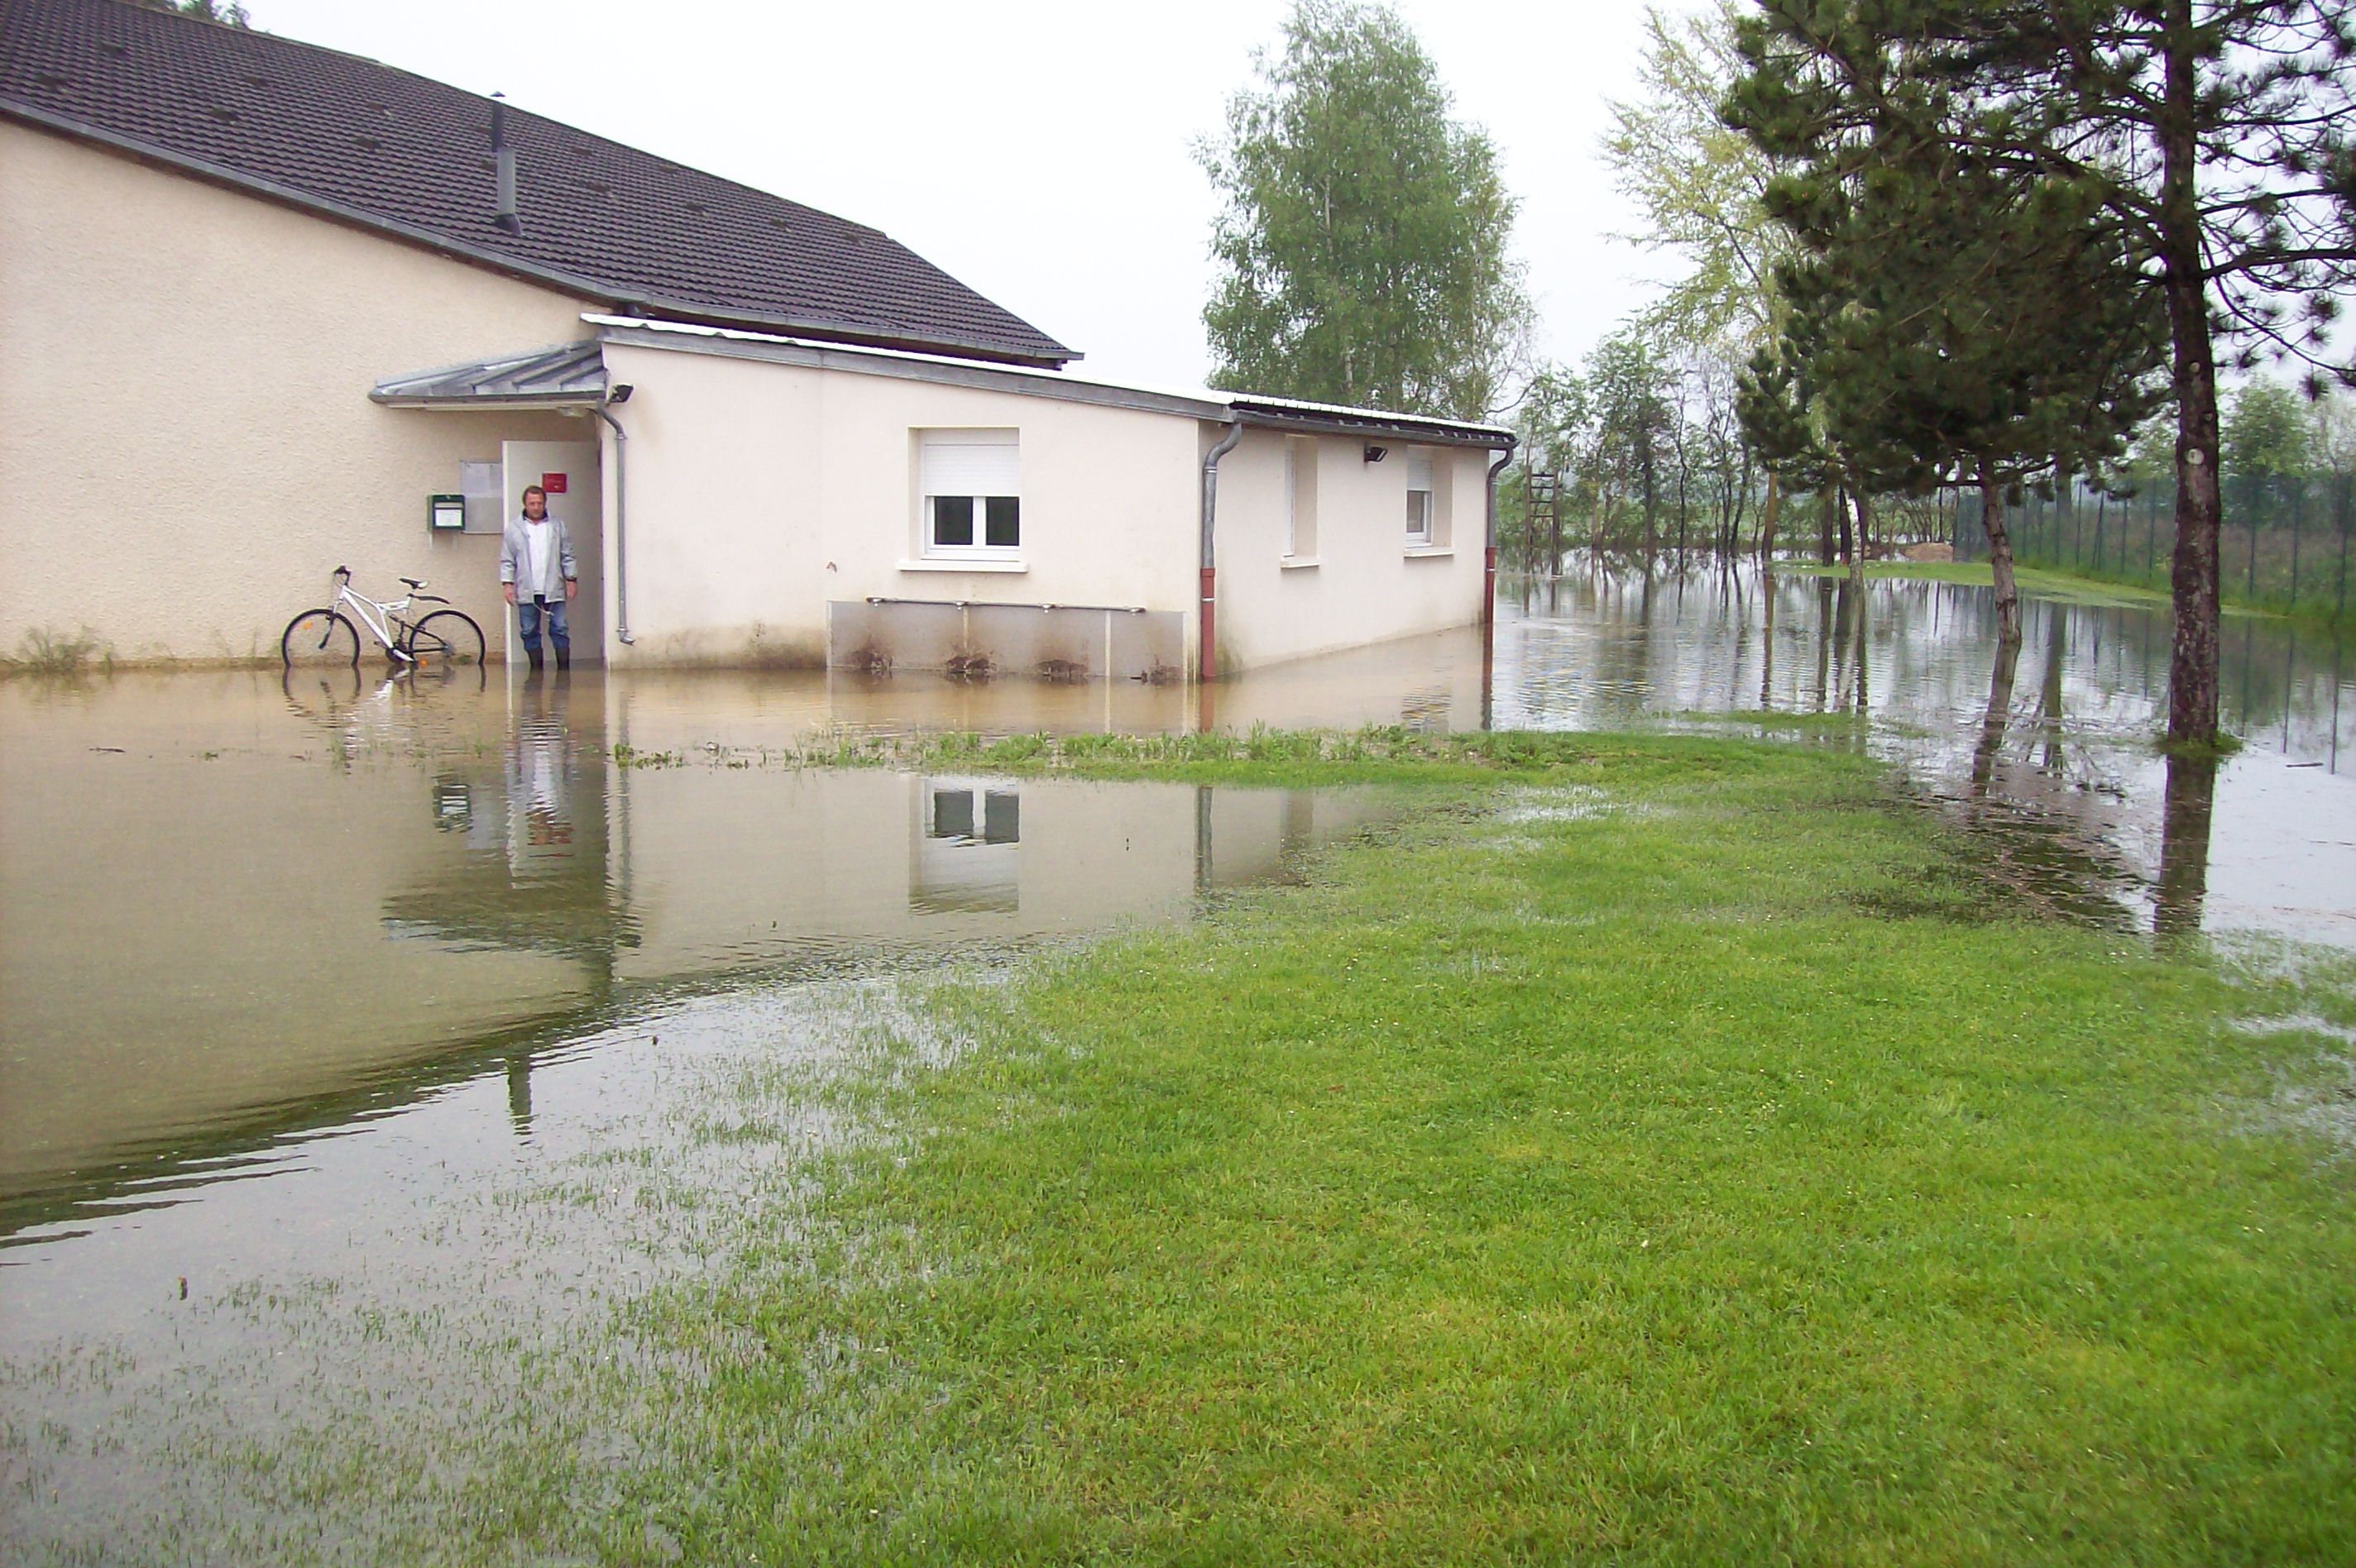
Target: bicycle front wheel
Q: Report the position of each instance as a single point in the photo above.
(447, 639)
(320, 639)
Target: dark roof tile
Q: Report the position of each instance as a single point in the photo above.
(408, 151)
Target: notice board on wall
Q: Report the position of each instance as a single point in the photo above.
(479, 482)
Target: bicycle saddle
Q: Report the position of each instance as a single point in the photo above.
(414, 582)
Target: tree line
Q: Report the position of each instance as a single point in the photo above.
(1933, 249)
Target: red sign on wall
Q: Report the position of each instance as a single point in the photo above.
(552, 483)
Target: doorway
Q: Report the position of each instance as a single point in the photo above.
(568, 471)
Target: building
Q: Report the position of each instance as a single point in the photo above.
(264, 303)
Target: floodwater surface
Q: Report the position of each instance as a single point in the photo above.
(359, 1036)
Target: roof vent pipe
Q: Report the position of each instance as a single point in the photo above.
(503, 158)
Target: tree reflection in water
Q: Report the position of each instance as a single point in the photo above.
(2184, 845)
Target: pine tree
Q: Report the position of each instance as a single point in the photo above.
(2216, 135)
(1945, 322)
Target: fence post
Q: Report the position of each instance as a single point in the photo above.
(2340, 506)
(2298, 515)
(2250, 596)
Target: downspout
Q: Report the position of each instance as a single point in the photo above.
(1208, 667)
(621, 526)
(1489, 566)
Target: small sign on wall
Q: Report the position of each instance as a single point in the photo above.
(447, 514)
(552, 483)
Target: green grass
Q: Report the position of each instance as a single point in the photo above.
(45, 650)
(2031, 580)
(1660, 1151)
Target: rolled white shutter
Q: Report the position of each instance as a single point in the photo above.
(972, 463)
(1418, 472)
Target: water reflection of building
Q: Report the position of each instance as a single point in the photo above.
(405, 884)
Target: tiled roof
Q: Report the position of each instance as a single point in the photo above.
(377, 146)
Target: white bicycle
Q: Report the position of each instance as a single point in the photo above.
(440, 639)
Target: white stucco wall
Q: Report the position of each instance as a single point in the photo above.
(186, 447)
(759, 492)
(1362, 582)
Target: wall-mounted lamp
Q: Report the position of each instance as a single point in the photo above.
(620, 393)
(1377, 453)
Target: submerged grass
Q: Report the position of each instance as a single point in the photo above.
(2040, 580)
(1592, 1169)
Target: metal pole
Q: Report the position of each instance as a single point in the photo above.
(2341, 482)
(2250, 596)
(2298, 515)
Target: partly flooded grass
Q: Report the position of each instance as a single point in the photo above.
(1639, 1193)
(1642, 1188)
(1660, 1148)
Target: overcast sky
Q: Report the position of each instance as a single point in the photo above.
(1036, 150)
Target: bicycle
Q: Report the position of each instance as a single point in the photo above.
(326, 637)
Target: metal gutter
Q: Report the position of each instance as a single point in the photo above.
(497, 261)
(1397, 430)
(1489, 562)
(621, 524)
(1207, 661)
(725, 343)
(488, 400)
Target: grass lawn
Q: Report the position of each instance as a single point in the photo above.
(2031, 580)
(1653, 1150)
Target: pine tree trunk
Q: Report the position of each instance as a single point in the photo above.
(1848, 539)
(1829, 504)
(2193, 661)
(1770, 512)
(2008, 596)
(1864, 533)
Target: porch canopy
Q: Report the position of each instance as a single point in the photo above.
(570, 376)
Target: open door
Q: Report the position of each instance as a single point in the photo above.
(568, 471)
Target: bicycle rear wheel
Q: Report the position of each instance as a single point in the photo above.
(447, 639)
(320, 639)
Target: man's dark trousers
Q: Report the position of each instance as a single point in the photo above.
(528, 618)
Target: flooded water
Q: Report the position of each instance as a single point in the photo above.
(348, 1023)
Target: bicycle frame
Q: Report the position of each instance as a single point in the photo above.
(378, 616)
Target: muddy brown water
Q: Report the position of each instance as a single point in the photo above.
(313, 991)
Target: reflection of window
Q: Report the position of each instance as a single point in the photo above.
(1420, 506)
(971, 485)
(957, 811)
(969, 835)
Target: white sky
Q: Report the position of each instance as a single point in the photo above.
(1036, 150)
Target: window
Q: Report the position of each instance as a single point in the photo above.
(1420, 507)
(971, 485)
(1300, 498)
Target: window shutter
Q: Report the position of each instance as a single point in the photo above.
(1418, 472)
(972, 463)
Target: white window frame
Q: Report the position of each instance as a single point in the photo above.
(1300, 500)
(1419, 517)
(927, 533)
(1291, 498)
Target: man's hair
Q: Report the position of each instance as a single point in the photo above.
(531, 490)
